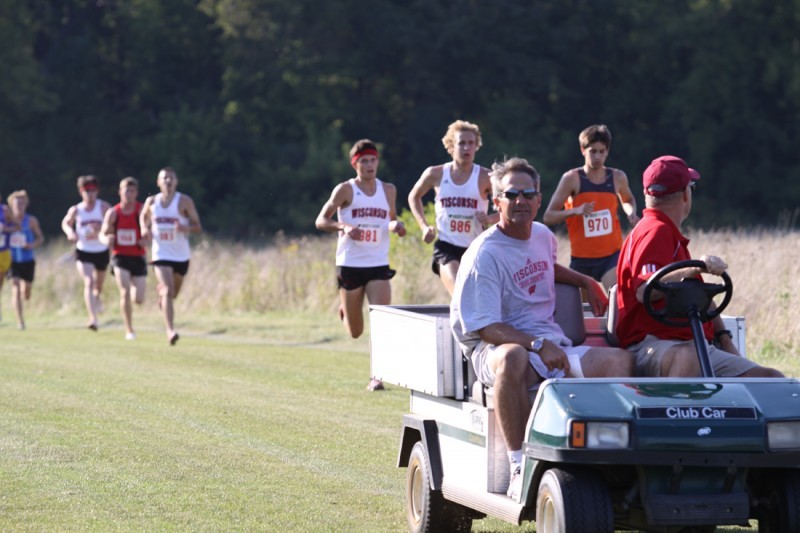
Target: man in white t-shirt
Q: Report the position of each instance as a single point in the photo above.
(503, 304)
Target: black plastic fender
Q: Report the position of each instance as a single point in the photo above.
(417, 429)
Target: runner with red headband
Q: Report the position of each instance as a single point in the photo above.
(82, 225)
(365, 215)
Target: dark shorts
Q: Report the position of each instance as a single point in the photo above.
(352, 278)
(178, 267)
(135, 264)
(24, 271)
(98, 259)
(443, 253)
(594, 267)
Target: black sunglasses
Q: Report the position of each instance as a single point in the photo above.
(513, 194)
(693, 185)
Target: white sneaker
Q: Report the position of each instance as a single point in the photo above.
(130, 336)
(515, 483)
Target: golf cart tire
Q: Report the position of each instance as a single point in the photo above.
(427, 510)
(573, 501)
(785, 514)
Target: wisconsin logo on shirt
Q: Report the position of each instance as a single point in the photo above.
(528, 276)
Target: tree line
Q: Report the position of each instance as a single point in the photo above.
(256, 102)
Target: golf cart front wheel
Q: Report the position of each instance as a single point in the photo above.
(784, 515)
(426, 509)
(572, 501)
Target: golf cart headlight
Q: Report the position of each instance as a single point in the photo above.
(599, 435)
(783, 435)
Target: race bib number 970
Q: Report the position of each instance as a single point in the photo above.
(597, 224)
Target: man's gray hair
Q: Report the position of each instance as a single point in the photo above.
(511, 164)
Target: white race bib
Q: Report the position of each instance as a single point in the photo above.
(370, 235)
(126, 237)
(166, 233)
(89, 231)
(597, 224)
(17, 240)
(460, 224)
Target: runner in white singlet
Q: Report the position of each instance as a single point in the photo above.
(168, 218)
(82, 225)
(365, 215)
(462, 191)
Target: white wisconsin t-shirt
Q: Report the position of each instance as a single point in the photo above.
(510, 281)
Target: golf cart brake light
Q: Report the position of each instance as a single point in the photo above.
(783, 435)
(599, 435)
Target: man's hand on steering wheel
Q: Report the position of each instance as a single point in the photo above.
(687, 293)
(714, 265)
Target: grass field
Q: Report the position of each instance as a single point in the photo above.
(227, 430)
(259, 418)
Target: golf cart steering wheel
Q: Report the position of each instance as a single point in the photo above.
(682, 297)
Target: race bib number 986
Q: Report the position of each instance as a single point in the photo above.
(461, 225)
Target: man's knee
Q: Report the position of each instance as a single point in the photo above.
(163, 290)
(607, 363)
(512, 361)
(680, 361)
(619, 362)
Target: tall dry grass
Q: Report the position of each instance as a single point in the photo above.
(297, 275)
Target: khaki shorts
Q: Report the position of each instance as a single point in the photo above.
(5, 261)
(480, 362)
(650, 352)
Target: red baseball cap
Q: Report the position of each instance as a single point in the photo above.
(666, 175)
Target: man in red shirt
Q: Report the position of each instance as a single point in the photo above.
(655, 242)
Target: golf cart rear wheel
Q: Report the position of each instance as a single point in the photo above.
(572, 501)
(784, 515)
(427, 511)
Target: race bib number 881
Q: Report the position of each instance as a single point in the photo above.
(370, 235)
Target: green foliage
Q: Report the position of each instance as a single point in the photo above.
(254, 103)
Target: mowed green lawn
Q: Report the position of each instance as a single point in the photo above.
(248, 423)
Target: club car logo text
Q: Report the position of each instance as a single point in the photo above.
(696, 413)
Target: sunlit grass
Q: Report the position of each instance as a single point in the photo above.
(259, 418)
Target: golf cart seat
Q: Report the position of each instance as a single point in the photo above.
(613, 312)
(568, 314)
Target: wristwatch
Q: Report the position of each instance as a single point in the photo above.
(537, 345)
